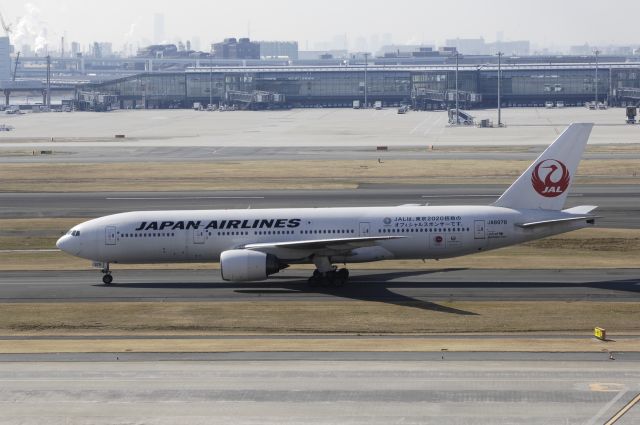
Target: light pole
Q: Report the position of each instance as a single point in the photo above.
(457, 97)
(499, 86)
(366, 65)
(210, 106)
(610, 93)
(596, 52)
(48, 98)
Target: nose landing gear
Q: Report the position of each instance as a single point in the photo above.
(107, 279)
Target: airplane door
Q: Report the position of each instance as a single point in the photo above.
(479, 229)
(198, 236)
(365, 229)
(110, 235)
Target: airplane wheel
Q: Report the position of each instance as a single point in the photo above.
(313, 281)
(107, 279)
(344, 273)
(340, 278)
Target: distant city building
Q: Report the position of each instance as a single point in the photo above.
(168, 51)
(468, 46)
(107, 49)
(323, 54)
(5, 59)
(583, 50)
(26, 50)
(102, 50)
(158, 28)
(95, 50)
(477, 46)
(232, 48)
(75, 48)
(397, 50)
(511, 48)
(447, 51)
(278, 49)
(158, 51)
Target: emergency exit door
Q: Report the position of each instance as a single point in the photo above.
(110, 235)
(365, 229)
(198, 236)
(479, 229)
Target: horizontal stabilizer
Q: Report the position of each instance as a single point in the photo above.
(555, 221)
(582, 209)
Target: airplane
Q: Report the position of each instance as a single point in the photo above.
(253, 244)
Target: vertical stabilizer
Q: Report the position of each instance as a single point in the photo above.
(546, 182)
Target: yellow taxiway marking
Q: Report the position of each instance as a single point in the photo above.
(622, 411)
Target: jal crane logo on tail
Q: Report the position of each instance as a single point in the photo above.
(550, 178)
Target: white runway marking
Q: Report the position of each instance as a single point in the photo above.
(4, 251)
(461, 196)
(572, 195)
(181, 198)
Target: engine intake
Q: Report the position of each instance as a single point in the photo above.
(243, 265)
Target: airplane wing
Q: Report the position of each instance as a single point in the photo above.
(319, 246)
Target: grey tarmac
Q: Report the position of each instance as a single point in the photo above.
(115, 154)
(606, 285)
(299, 389)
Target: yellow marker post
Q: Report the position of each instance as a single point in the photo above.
(600, 333)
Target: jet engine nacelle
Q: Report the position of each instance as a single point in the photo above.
(242, 265)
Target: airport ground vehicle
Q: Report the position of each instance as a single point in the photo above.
(254, 244)
(632, 111)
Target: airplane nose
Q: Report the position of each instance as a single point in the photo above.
(69, 244)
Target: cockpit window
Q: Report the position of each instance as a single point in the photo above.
(73, 232)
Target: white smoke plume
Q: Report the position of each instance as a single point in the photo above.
(31, 29)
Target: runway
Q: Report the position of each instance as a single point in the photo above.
(357, 390)
(392, 286)
(124, 154)
(618, 204)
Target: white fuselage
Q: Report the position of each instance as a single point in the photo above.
(424, 232)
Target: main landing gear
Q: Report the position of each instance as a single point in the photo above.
(327, 274)
(336, 277)
(107, 279)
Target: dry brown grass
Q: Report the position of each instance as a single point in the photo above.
(313, 317)
(34, 233)
(305, 174)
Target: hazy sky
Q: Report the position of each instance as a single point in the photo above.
(543, 22)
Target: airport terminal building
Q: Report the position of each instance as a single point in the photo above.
(423, 86)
